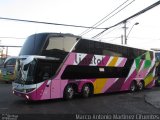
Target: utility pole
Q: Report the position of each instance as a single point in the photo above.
(125, 20)
(125, 33)
(6, 52)
(122, 39)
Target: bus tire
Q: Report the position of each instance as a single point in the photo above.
(133, 86)
(69, 92)
(141, 85)
(87, 90)
(157, 83)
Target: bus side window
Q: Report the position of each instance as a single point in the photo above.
(82, 46)
(98, 48)
(91, 47)
(43, 71)
(46, 70)
(111, 53)
(46, 73)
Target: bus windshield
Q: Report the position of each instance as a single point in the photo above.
(33, 45)
(36, 69)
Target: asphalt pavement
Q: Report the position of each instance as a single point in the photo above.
(153, 98)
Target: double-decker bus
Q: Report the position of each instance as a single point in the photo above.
(56, 65)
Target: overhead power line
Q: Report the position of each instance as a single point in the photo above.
(104, 19)
(109, 31)
(49, 23)
(12, 38)
(135, 15)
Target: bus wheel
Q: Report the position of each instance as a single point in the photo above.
(133, 86)
(141, 85)
(86, 91)
(69, 92)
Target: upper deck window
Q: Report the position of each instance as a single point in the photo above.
(33, 44)
(48, 44)
(58, 46)
(60, 43)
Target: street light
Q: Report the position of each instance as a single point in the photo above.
(125, 28)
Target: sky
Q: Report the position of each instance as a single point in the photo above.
(80, 12)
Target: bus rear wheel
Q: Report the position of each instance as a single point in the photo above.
(69, 92)
(133, 86)
(86, 90)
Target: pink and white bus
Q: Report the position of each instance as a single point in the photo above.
(56, 65)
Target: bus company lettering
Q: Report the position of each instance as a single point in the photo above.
(96, 59)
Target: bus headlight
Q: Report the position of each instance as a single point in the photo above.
(27, 97)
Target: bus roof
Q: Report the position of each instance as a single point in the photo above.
(91, 39)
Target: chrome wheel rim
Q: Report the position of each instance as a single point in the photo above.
(70, 92)
(140, 86)
(133, 87)
(86, 90)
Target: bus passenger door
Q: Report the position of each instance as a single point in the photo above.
(44, 75)
(56, 83)
(55, 89)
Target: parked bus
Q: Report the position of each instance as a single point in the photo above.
(7, 69)
(157, 55)
(56, 65)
